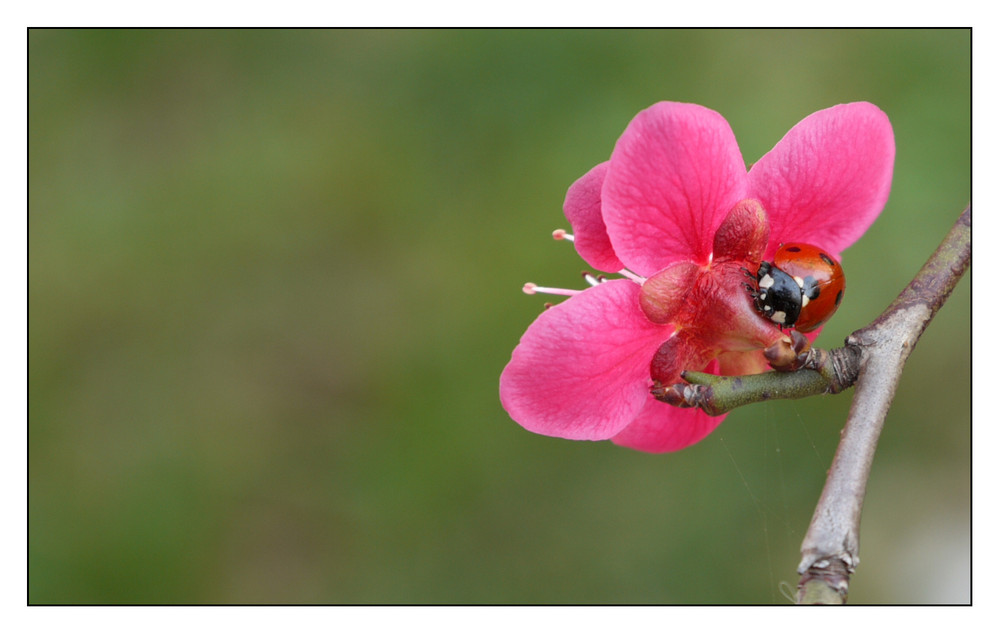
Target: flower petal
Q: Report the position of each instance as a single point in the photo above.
(674, 174)
(581, 370)
(660, 427)
(583, 210)
(828, 179)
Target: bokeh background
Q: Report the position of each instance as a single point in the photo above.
(274, 277)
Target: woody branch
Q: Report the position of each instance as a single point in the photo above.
(830, 547)
(872, 361)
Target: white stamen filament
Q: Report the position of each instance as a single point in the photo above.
(638, 279)
(593, 280)
(531, 288)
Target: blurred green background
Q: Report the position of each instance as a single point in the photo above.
(275, 275)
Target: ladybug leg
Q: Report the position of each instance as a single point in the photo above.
(751, 288)
(752, 285)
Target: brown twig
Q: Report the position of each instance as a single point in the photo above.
(830, 547)
(871, 360)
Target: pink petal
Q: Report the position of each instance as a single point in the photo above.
(827, 180)
(583, 210)
(660, 427)
(581, 370)
(674, 174)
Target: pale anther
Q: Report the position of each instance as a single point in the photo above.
(531, 288)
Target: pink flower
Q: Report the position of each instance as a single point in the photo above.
(677, 214)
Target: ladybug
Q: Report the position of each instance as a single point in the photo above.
(801, 288)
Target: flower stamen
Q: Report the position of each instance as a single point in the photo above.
(593, 280)
(638, 279)
(531, 288)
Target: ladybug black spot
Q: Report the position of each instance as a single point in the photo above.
(793, 249)
(840, 296)
(826, 258)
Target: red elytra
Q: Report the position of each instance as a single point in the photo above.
(820, 277)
